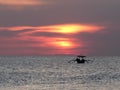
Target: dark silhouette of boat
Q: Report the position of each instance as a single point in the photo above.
(80, 59)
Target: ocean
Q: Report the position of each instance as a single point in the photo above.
(55, 73)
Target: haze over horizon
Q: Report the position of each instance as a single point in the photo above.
(49, 27)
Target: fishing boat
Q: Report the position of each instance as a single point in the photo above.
(80, 59)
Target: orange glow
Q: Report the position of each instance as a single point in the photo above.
(63, 28)
(73, 28)
(41, 37)
(63, 44)
(21, 2)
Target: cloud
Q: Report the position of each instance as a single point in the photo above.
(17, 28)
(104, 42)
(47, 34)
(57, 37)
(73, 28)
(21, 4)
(61, 30)
(92, 25)
(63, 11)
(7, 33)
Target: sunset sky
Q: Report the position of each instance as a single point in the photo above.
(50, 27)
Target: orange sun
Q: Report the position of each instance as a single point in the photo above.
(64, 44)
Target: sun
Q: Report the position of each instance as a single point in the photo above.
(68, 28)
(65, 28)
(63, 44)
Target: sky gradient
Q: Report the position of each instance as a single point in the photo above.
(50, 27)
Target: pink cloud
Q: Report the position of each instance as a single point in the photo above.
(21, 2)
(25, 38)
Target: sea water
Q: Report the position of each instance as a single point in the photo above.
(55, 73)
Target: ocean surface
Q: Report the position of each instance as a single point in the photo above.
(55, 73)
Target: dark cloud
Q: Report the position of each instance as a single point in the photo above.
(101, 43)
(49, 34)
(67, 11)
(7, 33)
